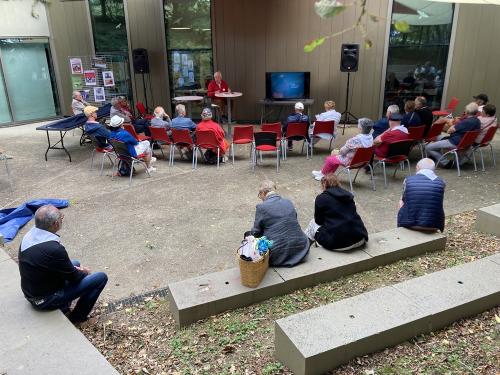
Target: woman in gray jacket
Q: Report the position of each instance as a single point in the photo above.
(276, 219)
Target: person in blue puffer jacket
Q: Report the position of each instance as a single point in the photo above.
(421, 206)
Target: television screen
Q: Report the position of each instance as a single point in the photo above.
(287, 85)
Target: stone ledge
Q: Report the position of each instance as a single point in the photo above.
(488, 220)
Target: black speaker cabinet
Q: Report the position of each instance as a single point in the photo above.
(140, 60)
(349, 57)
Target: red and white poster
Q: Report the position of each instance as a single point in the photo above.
(90, 77)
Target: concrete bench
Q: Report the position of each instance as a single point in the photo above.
(40, 342)
(488, 220)
(203, 296)
(323, 338)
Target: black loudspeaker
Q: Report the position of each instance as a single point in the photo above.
(349, 57)
(140, 60)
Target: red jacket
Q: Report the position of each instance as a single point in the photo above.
(219, 133)
(213, 87)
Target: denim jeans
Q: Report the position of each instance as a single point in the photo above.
(435, 149)
(87, 290)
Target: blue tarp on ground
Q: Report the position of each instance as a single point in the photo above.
(13, 219)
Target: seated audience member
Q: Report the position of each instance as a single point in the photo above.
(487, 119)
(421, 205)
(207, 124)
(94, 128)
(276, 219)
(481, 100)
(396, 132)
(161, 119)
(218, 85)
(49, 279)
(346, 153)
(456, 133)
(410, 118)
(120, 107)
(78, 104)
(424, 112)
(336, 225)
(297, 116)
(181, 121)
(135, 148)
(383, 124)
(330, 114)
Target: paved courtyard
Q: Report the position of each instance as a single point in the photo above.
(181, 223)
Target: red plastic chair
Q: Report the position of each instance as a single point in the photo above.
(141, 108)
(241, 135)
(452, 105)
(397, 154)
(362, 158)
(465, 143)
(485, 142)
(181, 138)
(272, 127)
(140, 137)
(205, 139)
(417, 134)
(105, 152)
(431, 136)
(296, 130)
(323, 127)
(160, 137)
(263, 142)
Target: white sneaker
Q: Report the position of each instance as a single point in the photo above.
(151, 169)
(317, 173)
(153, 159)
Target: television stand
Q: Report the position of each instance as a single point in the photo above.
(283, 103)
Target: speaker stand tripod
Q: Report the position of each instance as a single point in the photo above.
(145, 92)
(347, 114)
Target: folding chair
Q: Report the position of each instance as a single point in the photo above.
(362, 158)
(417, 134)
(97, 149)
(160, 137)
(486, 141)
(452, 105)
(265, 141)
(130, 128)
(296, 131)
(123, 154)
(323, 128)
(241, 135)
(397, 154)
(205, 139)
(465, 143)
(181, 138)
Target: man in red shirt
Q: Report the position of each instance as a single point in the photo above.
(218, 85)
(396, 132)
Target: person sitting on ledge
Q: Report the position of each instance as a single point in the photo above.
(297, 116)
(421, 205)
(276, 219)
(49, 279)
(94, 128)
(336, 225)
(346, 153)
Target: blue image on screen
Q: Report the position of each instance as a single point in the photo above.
(287, 85)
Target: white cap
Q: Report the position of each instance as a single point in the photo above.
(299, 105)
(116, 121)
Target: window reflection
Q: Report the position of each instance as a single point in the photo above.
(417, 59)
(108, 24)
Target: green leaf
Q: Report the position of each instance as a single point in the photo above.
(309, 47)
(402, 26)
(328, 8)
(368, 44)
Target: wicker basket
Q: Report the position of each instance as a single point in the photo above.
(252, 273)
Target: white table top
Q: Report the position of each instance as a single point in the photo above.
(188, 98)
(228, 94)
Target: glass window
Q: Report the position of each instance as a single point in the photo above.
(108, 24)
(29, 78)
(189, 45)
(4, 106)
(417, 59)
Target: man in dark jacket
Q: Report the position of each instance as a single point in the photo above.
(424, 112)
(336, 225)
(49, 280)
(276, 219)
(94, 128)
(297, 116)
(421, 206)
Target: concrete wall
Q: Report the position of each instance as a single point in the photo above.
(255, 36)
(16, 19)
(70, 36)
(476, 54)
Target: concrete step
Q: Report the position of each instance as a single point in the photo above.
(323, 338)
(210, 294)
(488, 220)
(36, 342)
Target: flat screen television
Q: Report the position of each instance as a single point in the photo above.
(287, 85)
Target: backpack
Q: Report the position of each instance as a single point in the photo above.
(124, 168)
(210, 157)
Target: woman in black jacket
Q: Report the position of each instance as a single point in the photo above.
(336, 225)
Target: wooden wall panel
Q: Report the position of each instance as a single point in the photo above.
(255, 36)
(476, 54)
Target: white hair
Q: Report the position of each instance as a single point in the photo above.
(180, 109)
(393, 109)
(159, 112)
(426, 163)
(267, 186)
(76, 93)
(471, 108)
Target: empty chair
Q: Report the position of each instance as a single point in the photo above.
(140, 137)
(241, 135)
(122, 153)
(465, 143)
(205, 139)
(323, 130)
(181, 138)
(485, 142)
(263, 142)
(417, 134)
(141, 109)
(397, 154)
(452, 105)
(276, 128)
(362, 158)
(160, 137)
(296, 131)
(97, 149)
(435, 131)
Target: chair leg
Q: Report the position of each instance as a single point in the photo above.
(385, 176)
(421, 147)
(92, 159)
(396, 169)
(102, 164)
(218, 157)
(457, 161)
(195, 158)
(260, 156)
(356, 176)
(474, 161)
(482, 158)
(373, 177)
(493, 156)
(232, 151)
(253, 158)
(131, 172)
(350, 179)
